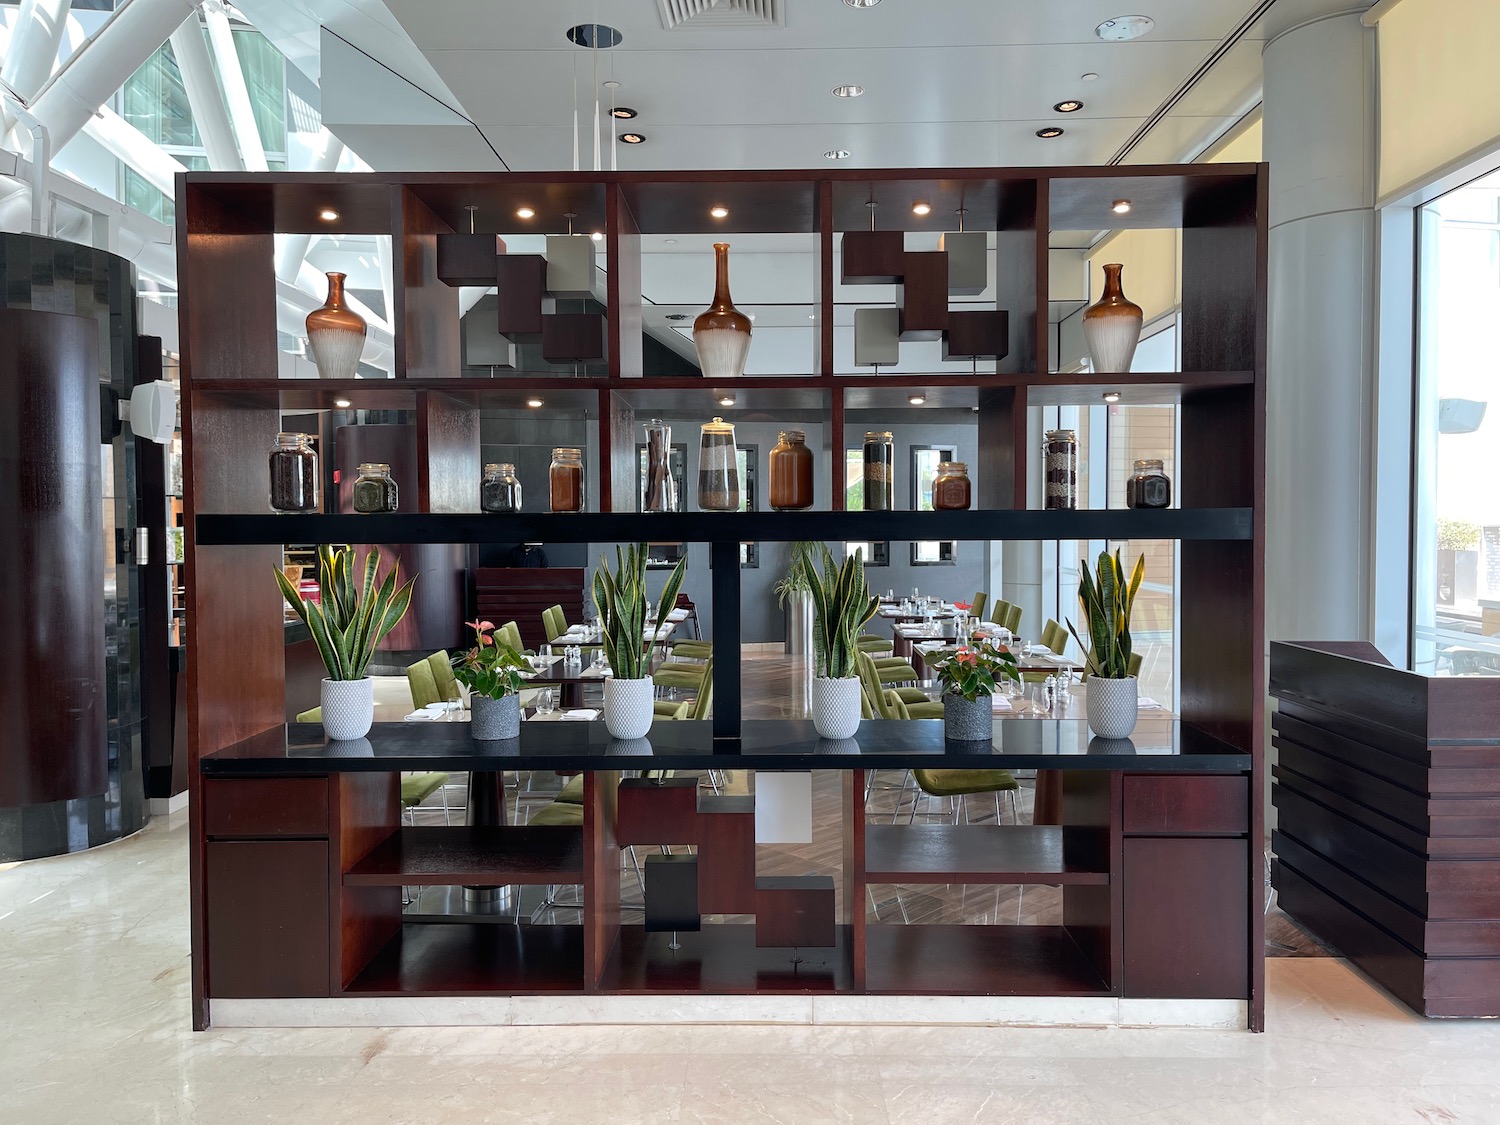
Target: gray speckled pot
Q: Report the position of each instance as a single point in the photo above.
(964, 721)
(494, 719)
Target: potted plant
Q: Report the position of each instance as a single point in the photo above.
(968, 681)
(491, 670)
(794, 593)
(346, 624)
(620, 601)
(1111, 697)
(841, 605)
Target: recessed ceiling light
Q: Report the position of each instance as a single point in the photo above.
(916, 400)
(342, 403)
(623, 112)
(610, 85)
(669, 242)
(1049, 132)
(860, 3)
(592, 35)
(848, 91)
(632, 138)
(719, 212)
(1123, 28)
(533, 402)
(1088, 76)
(1111, 396)
(597, 236)
(679, 316)
(1072, 105)
(726, 400)
(812, 316)
(1120, 207)
(328, 215)
(525, 213)
(837, 154)
(921, 208)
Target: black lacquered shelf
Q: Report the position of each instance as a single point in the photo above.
(544, 854)
(474, 960)
(724, 959)
(997, 961)
(1162, 744)
(976, 853)
(735, 527)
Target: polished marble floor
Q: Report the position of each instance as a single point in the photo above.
(94, 996)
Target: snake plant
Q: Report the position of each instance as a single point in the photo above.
(620, 600)
(841, 605)
(347, 624)
(1106, 603)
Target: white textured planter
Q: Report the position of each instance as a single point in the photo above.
(348, 708)
(494, 719)
(836, 706)
(1111, 706)
(627, 707)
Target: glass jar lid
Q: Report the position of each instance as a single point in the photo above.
(954, 468)
(1149, 465)
(793, 437)
(499, 468)
(878, 435)
(291, 440)
(1062, 435)
(566, 452)
(371, 468)
(718, 426)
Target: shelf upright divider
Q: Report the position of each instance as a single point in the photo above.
(724, 559)
(823, 290)
(424, 319)
(622, 234)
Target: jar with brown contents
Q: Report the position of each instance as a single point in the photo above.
(791, 472)
(294, 475)
(718, 468)
(879, 466)
(1060, 470)
(950, 488)
(566, 480)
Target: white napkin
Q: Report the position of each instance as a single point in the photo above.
(678, 615)
(1000, 703)
(580, 715)
(1054, 659)
(1146, 703)
(576, 630)
(423, 716)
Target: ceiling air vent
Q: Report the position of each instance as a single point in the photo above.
(710, 15)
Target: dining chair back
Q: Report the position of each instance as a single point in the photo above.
(1054, 637)
(443, 677)
(997, 615)
(554, 622)
(423, 684)
(976, 608)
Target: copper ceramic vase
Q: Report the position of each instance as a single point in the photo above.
(336, 334)
(722, 333)
(1112, 326)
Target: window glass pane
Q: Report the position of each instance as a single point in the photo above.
(265, 75)
(1457, 518)
(155, 101)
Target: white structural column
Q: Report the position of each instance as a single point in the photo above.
(1319, 112)
(207, 103)
(236, 93)
(33, 48)
(99, 68)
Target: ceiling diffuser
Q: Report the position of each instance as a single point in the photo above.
(708, 15)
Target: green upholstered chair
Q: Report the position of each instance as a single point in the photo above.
(1054, 637)
(671, 708)
(690, 677)
(442, 676)
(313, 716)
(905, 694)
(510, 633)
(558, 812)
(958, 784)
(554, 623)
(976, 607)
(998, 612)
(874, 642)
(423, 684)
(1133, 667)
(416, 788)
(1013, 619)
(886, 703)
(692, 650)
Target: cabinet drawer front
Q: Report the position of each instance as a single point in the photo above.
(266, 909)
(1176, 805)
(273, 806)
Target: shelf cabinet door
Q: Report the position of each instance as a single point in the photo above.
(266, 909)
(1186, 917)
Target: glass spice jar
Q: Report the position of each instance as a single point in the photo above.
(374, 490)
(879, 463)
(791, 472)
(659, 489)
(1060, 470)
(500, 491)
(294, 474)
(565, 480)
(950, 488)
(718, 468)
(1149, 487)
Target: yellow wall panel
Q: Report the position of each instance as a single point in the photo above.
(1151, 278)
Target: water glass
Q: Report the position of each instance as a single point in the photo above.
(544, 701)
(544, 650)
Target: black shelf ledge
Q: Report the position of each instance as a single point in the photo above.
(726, 527)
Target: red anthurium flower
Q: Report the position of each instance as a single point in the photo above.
(963, 605)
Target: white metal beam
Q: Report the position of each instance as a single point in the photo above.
(291, 249)
(236, 93)
(126, 143)
(205, 99)
(33, 49)
(107, 58)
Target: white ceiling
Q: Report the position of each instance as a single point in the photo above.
(948, 82)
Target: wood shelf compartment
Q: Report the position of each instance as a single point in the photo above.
(964, 853)
(692, 527)
(724, 959)
(997, 961)
(443, 854)
(474, 960)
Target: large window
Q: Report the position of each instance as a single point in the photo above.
(1456, 522)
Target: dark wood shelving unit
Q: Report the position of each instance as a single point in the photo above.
(428, 855)
(962, 853)
(1135, 876)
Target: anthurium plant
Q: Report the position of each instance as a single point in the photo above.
(972, 672)
(841, 606)
(1107, 601)
(620, 601)
(491, 668)
(347, 623)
